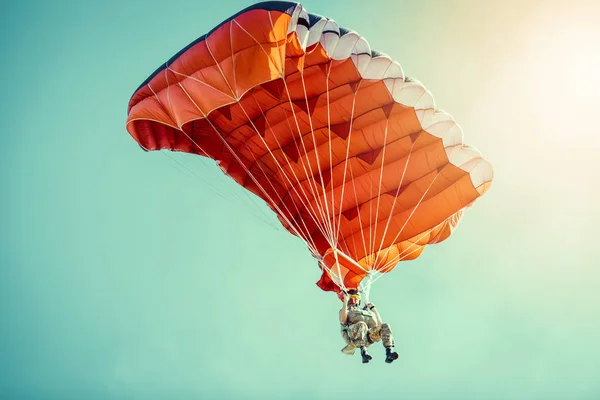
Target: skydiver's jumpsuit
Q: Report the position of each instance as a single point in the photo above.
(361, 330)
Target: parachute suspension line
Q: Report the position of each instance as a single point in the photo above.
(336, 254)
(196, 80)
(335, 278)
(385, 136)
(262, 218)
(259, 206)
(362, 233)
(338, 226)
(339, 270)
(275, 137)
(336, 238)
(401, 257)
(389, 219)
(265, 220)
(220, 70)
(346, 160)
(256, 162)
(319, 223)
(330, 238)
(412, 212)
(281, 168)
(259, 186)
(232, 55)
(306, 203)
(330, 215)
(168, 68)
(278, 164)
(194, 174)
(396, 259)
(346, 165)
(365, 286)
(199, 147)
(183, 168)
(370, 214)
(323, 225)
(307, 238)
(331, 164)
(314, 191)
(332, 180)
(344, 244)
(371, 217)
(335, 272)
(311, 182)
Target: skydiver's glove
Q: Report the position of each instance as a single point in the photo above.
(345, 297)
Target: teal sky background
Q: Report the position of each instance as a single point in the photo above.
(133, 275)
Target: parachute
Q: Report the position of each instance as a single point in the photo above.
(352, 156)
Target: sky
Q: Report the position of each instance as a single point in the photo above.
(134, 275)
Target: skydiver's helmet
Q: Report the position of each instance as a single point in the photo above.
(354, 299)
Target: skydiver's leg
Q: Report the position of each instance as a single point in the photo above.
(388, 343)
(384, 333)
(366, 357)
(356, 337)
(386, 336)
(350, 348)
(356, 334)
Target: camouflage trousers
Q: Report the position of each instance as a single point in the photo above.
(359, 335)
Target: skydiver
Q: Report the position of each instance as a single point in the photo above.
(362, 328)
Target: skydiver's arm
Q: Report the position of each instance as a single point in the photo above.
(377, 316)
(371, 307)
(344, 311)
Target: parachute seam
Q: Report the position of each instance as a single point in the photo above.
(201, 82)
(232, 55)
(233, 93)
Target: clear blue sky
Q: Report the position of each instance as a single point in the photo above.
(123, 276)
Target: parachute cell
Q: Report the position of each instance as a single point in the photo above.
(351, 155)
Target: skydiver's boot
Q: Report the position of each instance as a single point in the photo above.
(366, 357)
(390, 355)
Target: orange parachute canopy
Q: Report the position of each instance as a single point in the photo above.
(351, 155)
